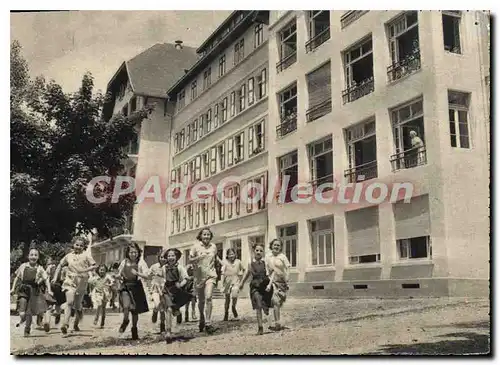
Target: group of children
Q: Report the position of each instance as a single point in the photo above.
(42, 292)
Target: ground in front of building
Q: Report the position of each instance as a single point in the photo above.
(313, 326)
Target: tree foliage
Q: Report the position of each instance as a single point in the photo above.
(59, 142)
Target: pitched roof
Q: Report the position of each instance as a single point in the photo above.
(158, 68)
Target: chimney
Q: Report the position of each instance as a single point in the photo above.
(178, 44)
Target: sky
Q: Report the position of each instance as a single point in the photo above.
(64, 45)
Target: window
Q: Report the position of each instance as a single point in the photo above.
(205, 160)
(208, 124)
(321, 161)
(319, 28)
(184, 218)
(201, 125)
(236, 246)
(320, 92)
(181, 99)
(229, 194)
(192, 171)
(232, 104)
(194, 130)
(362, 152)
(213, 160)
(289, 236)
(363, 235)
(221, 210)
(188, 135)
(182, 139)
(197, 173)
(256, 138)
(239, 147)
(254, 240)
(223, 110)
(288, 167)
(409, 136)
(287, 46)
(241, 105)
(414, 248)
(194, 90)
(177, 215)
(458, 109)
(172, 222)
(207, 78)
(451, 31)
(222, 157)
(364, 259)
(258, 35)
(186, 174)
(133, 104)
(222, 65)
(230, 152)
(133, 146)
(250, 91)
(239, 51)
(204, 212)
(358, 70)
(190, 215)
(213, 203)
(322, 244)
(198, 213)
(288, 111)
(216, 116)
(262, 84)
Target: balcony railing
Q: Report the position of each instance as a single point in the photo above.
(319, 110)
(406, 66)
(288, 125)
(410, 158)
(362, 172)
(350, 17)
(321, 181)
(286, 62)
(355, 92)
(318, 40)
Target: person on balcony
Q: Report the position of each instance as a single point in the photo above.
(417, 145)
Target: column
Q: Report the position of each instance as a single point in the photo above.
(341, 249)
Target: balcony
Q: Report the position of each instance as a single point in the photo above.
(286, 62)
(406, 66)
(319, 110)
(410, 158)
(350, 17)
(287, 126)
(318, 40)
(321, 181)
(355, 92)
(362, 172)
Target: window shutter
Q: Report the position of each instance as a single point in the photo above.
(412, 219)
(319, 85)
(363, 232)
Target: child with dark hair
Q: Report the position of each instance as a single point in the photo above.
(80, 263)
(132, 296)
(260, 294)
(232, 272)
(156, 273)
(174, 294)
(57, 293)
(204, 257)
(115, 286)
(189, 287)
(31, 301)
(101, 291)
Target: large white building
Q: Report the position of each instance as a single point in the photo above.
(330, 96)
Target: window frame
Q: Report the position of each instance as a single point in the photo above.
(315, 235)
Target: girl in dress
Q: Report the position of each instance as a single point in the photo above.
(132, 296)
(203, 256)
(232, 272)
(260, 293)
(80, 263)
(31, 301)
(278, 268)
(101, 292)
(175, 296)
(189, 287)
(157, 283)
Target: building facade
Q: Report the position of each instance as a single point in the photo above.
(220, 131)
(382, 96)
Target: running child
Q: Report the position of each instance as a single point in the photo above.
(232, 272)
(31, 301)
(156, 273)
(174, 294)
(132, 296)
(278, 269)
(101, 292)
(189, 287)
(260, 293)
(80, 263)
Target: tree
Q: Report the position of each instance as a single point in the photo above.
(59, 142)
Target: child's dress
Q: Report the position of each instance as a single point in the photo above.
(232, 276)
(31, 277)
(75, 280)
(132, 286)
(174, 297)
(157, 283)
(261, 299)
(101, 290)
(279, 265)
